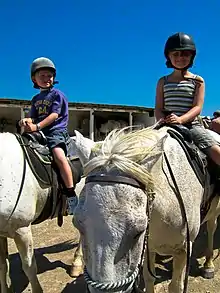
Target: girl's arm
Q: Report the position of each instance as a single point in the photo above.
(197, 103)
(159, 99)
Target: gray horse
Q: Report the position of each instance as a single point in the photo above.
(130, 201)
(22, 200)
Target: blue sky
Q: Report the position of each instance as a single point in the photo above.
(106, 51)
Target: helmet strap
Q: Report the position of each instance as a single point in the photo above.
(170, 65)
(36, 86)
(182, 69)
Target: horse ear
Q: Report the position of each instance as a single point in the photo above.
(156, 152)
(83, 147)
(160, 144)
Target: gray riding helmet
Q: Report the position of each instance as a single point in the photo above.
(41, 63)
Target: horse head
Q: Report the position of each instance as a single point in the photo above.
(114, 207)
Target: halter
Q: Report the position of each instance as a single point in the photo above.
(132, 280)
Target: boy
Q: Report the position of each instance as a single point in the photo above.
(49, 113)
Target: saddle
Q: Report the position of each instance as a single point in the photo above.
(205, 169)
(41, 162)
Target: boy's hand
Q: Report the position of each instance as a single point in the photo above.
(30, 127)
(25, 121)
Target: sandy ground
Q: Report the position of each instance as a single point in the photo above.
(54, 248)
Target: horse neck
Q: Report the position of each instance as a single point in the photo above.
(189, 186)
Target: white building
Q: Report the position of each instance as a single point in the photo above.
(92, 120)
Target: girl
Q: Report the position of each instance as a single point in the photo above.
(49, 113)
(182, 93)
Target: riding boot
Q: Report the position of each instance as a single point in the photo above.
(72, 200)
(214, 171)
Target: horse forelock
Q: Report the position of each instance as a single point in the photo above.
(127, 151)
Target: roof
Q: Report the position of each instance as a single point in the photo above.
(7, 101)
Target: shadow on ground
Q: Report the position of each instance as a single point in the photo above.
(77, 285)
(19, 279)
(164, 270)
(165, 263)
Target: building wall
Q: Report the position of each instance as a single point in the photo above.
(91, 123)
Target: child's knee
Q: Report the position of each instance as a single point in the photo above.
(59, 155)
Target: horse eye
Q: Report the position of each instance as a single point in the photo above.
(78, 224)
(139, 234)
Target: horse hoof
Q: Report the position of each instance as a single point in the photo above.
(76, 271)
(208, 273)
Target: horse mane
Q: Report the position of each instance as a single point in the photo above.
(127, 150)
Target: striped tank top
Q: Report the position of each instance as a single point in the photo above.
(179, 96)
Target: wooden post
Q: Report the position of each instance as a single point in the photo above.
(22, 113)
(91, 124)
(130, 118)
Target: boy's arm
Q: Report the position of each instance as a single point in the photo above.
(47, 121)
(30, 127)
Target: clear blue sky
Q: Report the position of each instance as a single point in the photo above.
(106, 51)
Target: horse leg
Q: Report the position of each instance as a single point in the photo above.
(5, 280)
(78, 264)
(208, 269)
(148, 278)
(179, 264)
(24, 243)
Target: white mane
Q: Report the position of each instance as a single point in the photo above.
(127, 150)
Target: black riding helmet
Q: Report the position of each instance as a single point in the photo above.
(216, 113)
(42, 63)
(179, 42)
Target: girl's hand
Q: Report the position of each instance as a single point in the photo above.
(173, 119)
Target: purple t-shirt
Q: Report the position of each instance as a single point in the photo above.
(47, 102)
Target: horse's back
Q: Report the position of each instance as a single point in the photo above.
(18, 186)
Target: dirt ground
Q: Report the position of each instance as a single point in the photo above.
(54, 248)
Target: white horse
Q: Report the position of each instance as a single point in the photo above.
(22, 200)
(129, 194)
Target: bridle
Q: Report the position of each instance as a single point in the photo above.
(132, 280)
